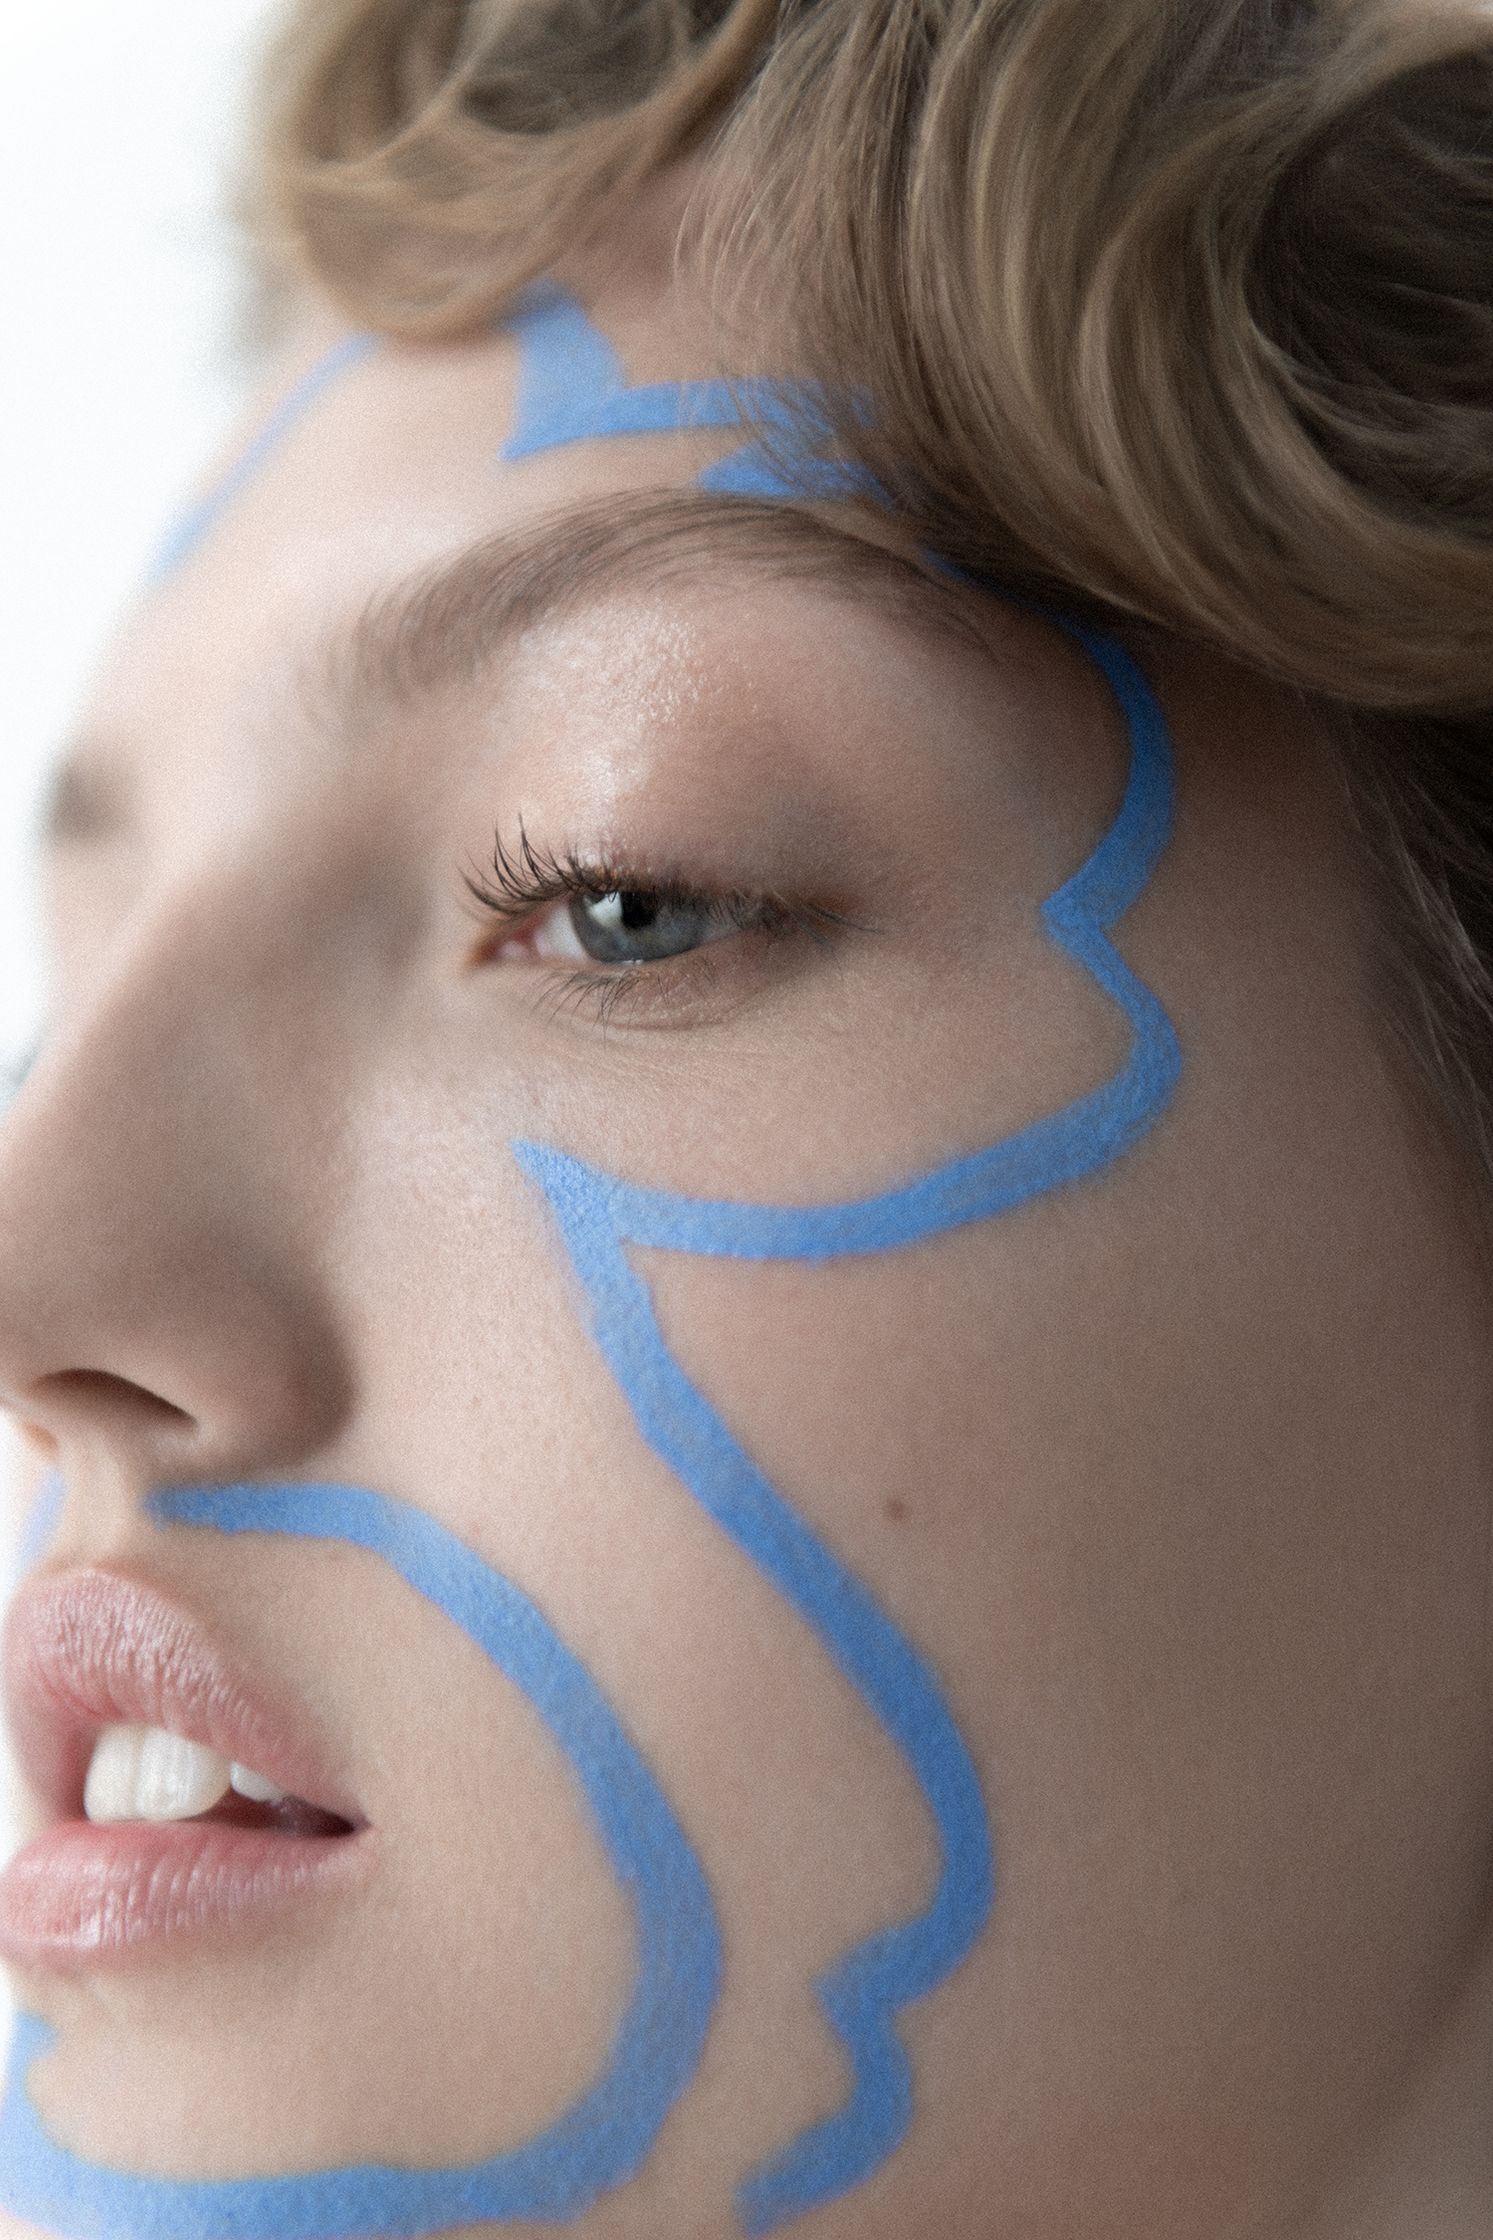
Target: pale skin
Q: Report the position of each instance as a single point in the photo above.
(1180, 1480)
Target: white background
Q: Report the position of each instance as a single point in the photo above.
(117, 291)
(117, 374)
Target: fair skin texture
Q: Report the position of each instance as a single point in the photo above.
(1179, 1480)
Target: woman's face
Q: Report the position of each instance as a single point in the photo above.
(1172, 1476)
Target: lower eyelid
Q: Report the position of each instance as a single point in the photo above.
(699, 987)
(651, 995)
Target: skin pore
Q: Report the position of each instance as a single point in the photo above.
(1178, 1480)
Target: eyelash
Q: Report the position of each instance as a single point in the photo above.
(524, 880)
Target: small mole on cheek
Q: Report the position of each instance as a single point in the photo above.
(896, 1510)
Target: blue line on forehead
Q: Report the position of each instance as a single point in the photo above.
(573, 389)
(193, 526)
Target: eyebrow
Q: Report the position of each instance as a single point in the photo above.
(446, 627)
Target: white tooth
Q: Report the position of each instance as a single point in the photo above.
(109, 1792)
(255, 1786)
(143, 1773)
(178, 1779)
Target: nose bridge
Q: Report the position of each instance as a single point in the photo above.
(159, 1283)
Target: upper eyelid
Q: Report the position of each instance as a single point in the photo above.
(524, 879)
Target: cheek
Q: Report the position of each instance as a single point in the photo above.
(1146, 1483)
(87, 907)
(1130, 1468)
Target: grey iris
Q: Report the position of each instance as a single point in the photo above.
(638, 927)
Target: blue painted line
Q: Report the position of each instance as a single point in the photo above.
(1064, 1147)
(599, 2143)
(600, 1216)
(892, 1678)
(40, 1528)
(189, 532)
(573, 389)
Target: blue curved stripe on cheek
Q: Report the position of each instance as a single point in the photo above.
(607, 2137)
(860, 1995)
(604, 2139)
(600, 1217)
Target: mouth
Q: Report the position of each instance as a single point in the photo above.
(175, 1799)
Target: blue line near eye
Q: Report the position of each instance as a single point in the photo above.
(1064, 1147)
(599, 2143)
(600, 1217)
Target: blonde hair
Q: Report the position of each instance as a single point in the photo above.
(1180, 307)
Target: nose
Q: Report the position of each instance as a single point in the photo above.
(161, 1312)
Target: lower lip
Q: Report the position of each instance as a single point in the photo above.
(83, 1896)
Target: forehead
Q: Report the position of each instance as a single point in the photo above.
(395, 516)
(368, 466)
(387, 468)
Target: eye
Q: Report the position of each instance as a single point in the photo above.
(622, 944)
(629, 926)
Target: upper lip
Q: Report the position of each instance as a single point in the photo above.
(88, 1649)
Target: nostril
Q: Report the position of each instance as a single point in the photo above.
(97, 1393)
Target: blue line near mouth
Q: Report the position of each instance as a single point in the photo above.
(42, 1520)
(606, 2137)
